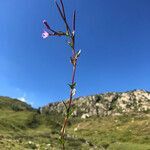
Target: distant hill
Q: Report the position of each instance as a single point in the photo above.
(13, 104)
(111, 103)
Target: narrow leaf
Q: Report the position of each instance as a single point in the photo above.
(78, 53)
(63, 9)
(46, 24)
(67, 33)
(61, 141)
(72, 86)
(61, 14)
(65, 104)
(70, 44)
(74, 21)
(73, 92)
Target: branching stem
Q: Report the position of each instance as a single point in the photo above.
(70, 33)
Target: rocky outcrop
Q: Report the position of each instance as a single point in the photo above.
(111, 103)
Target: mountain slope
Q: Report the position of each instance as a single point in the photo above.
(13, 104)
(112, 103)
(111, 121)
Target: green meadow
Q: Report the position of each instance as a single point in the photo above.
(24, 128)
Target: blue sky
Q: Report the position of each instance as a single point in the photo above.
(114, 36)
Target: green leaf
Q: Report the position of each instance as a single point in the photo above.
(67, 34)
(70, 111)
(72, 86)
(70, 44)
(61, 141)
(65, 104)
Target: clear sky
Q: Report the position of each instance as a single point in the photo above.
(114, 36)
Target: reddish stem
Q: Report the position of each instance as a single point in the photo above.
(71, 94)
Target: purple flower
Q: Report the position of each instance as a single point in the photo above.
(44, 21)
(45, 34)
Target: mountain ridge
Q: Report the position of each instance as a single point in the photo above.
(105, 104)
(14, 104)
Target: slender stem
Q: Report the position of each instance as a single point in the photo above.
(70, 32)
(71, 94)
(62, 14)
(73, 79)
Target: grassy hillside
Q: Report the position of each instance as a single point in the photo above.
(115, 133)
(13, 104)
(26, 129)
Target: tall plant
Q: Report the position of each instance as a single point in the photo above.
(70, 35)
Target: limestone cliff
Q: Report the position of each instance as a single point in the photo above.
(111, 103)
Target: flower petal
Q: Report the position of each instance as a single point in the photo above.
(45, 35)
